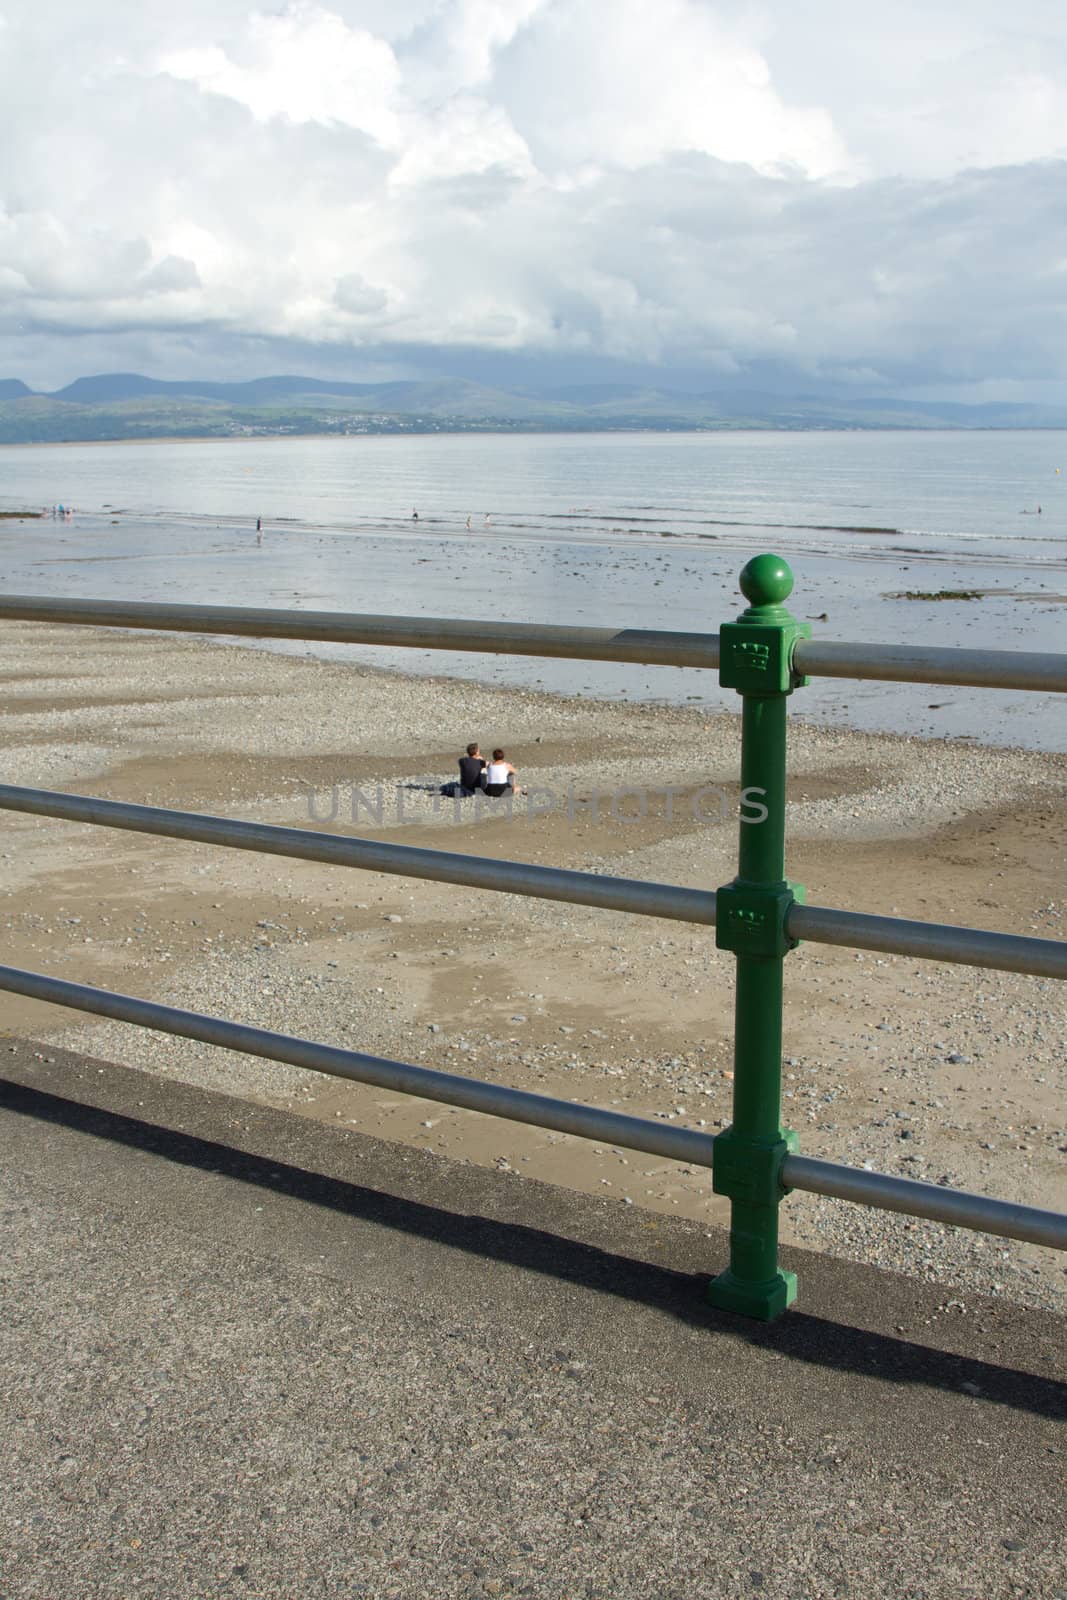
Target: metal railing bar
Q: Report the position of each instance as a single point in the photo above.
(492, 1099)
(894, 935)
(647, 646)
(518, 1105)
(931, 941)
(917, 1199)
(988, 669)
(903, 663)
(370, 855)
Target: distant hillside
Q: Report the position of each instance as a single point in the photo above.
(126, 405)
(112, 387)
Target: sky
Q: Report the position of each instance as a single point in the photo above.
(800, 195)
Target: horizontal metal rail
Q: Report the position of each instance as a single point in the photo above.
(518, 1105)
(647, 646)
(989, 669)
(916, 1199)
(371, 855)
(905, 663)
(495, 1100)
(931, 941)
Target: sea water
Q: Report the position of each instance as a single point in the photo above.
(611, 530)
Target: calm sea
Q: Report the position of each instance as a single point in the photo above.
(620, 530)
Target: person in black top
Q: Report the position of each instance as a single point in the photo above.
(471, 770)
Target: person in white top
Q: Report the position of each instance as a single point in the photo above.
(500, 775)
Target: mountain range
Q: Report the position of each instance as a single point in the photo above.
(122, 405)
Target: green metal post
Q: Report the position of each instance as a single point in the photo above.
(756, 655)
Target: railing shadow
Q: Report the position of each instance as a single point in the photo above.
(799, 1336)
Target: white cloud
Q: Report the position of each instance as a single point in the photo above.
(460, 47)
(628, 84)
(929, 87)
(464, 137)
(305, 64)
(877, 199)
(355, 294)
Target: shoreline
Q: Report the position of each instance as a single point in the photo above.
(926, 1070)
(517, 432)
(594, 571)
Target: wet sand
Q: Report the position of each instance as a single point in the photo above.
(944, 1073)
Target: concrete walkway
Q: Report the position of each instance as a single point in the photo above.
(246, 1354)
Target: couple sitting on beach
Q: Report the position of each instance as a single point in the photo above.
(479, 776)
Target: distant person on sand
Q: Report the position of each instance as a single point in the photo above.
(468, 524)
(471, 770)
(414, 516)
(500, 775)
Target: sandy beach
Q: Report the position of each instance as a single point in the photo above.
(944, 1073)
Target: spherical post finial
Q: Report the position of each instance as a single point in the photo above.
(766, 580)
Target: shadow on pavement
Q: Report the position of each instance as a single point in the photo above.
(799, 1336)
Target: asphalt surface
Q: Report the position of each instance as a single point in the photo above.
(247, 1354)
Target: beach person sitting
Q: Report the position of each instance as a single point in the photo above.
(500, 775)
(471, 771)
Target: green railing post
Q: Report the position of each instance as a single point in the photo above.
(756, 654)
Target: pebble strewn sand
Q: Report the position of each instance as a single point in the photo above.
(950, 1074)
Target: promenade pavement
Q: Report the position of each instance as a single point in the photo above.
(247, 1354)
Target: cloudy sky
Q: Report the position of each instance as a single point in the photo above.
(797, 193)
